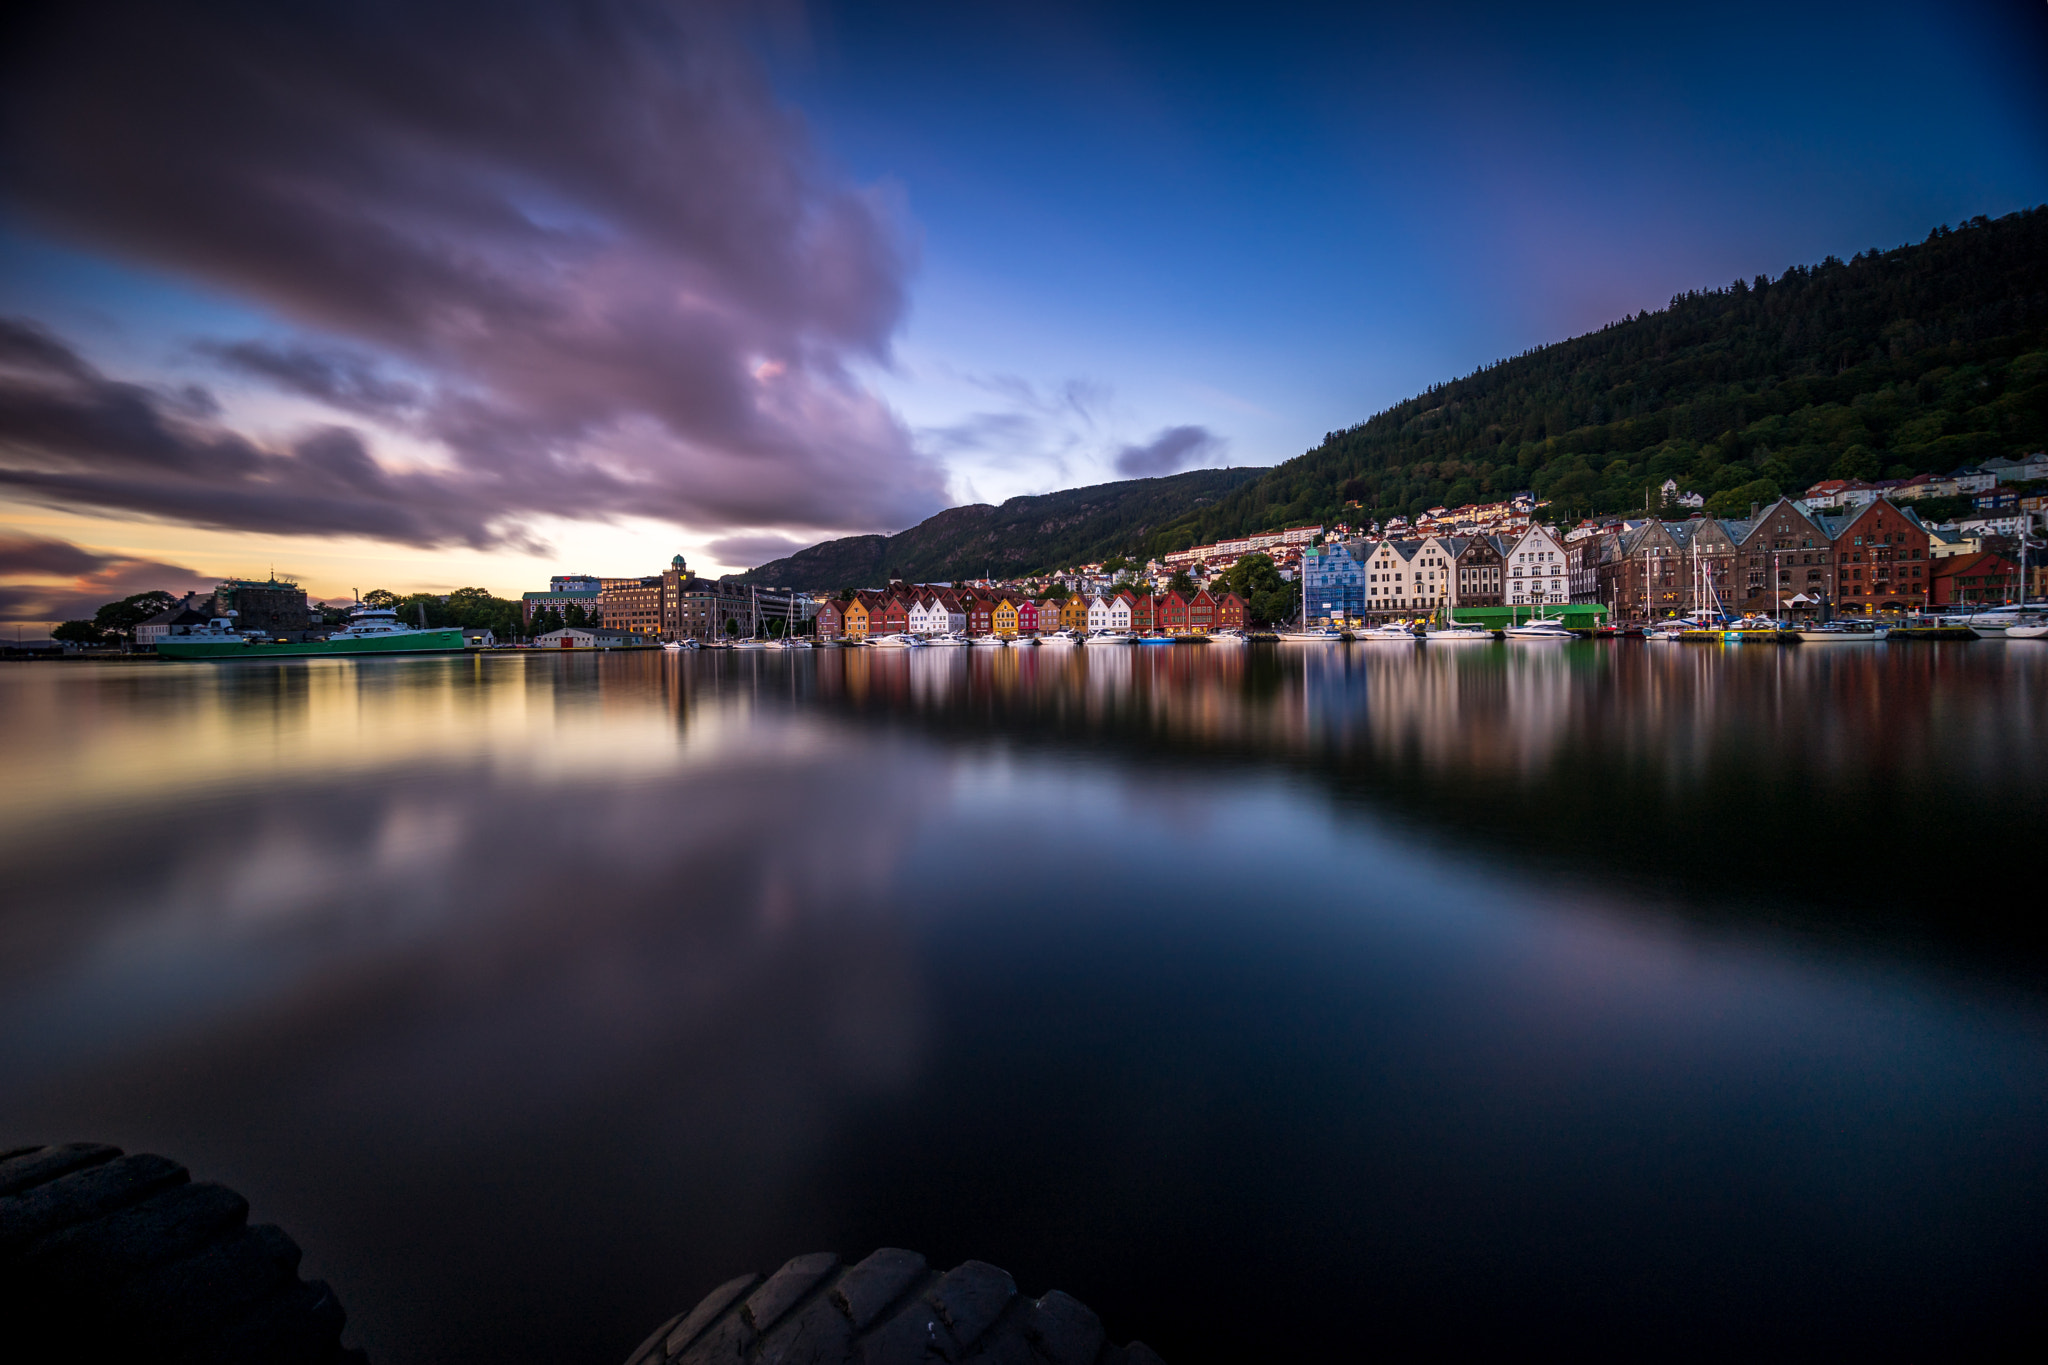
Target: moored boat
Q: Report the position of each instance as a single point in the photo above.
(1461, 635)
(1109, 637)
(1311, 637)
(371, 630)
(1539, 630)
(1398, 632)
(898, 640)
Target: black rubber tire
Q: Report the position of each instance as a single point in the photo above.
(106, 1256)
(890, 1309)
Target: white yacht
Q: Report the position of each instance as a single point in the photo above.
(2000, 620)
(795, 642)
(1460, 635)
(898, 640)
(1109, 637)
(989, 642)
(1837, 633)
(677, 646)
(758, 642)
(949, 639)
(1397, 631)
(1227, 635)
(1061, 637)
(1311, 637)
(1539, 630)
(2032, 632)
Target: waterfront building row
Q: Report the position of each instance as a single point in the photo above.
(935, 610)
(674, 604)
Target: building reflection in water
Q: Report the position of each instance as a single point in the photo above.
(573, 983)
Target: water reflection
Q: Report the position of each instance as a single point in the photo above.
(538, 993)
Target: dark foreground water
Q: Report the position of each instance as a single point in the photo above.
(1612, 999)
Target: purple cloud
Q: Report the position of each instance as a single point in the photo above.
(615, 273)
(91, 579)
(1168, 452)
(749, 550)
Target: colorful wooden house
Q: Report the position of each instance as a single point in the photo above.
(1172, 612)
(1231, 612)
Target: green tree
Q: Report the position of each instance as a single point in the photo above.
(575, 617)
(732, 626)
(378, 597)
(79, 633)
(1252, 574)
(1116, 564)
(1181, 583)
(1057, 593)
(118, 620)
(1277, 605)
(547, 619)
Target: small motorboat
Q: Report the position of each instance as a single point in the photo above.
(1460, 635)
(758, 642)
(898, 640)
(1837, 632)
(677, 646)
(986, 642)
(1229, 635)
(1397, 632)
(1312, 637)
(1109, 637)
(1061, 637)
(1166, 639)
(2025, 632)
(795, 642)
(1539, 630)
(950, 639)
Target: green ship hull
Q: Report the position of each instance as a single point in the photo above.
(413, 642)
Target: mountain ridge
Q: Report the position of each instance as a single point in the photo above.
(1025, 534)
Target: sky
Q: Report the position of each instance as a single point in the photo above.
(419, 294)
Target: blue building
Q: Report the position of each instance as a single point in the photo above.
(1333, 581)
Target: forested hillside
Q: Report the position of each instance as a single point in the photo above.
(1895, 362)
(1045, 531)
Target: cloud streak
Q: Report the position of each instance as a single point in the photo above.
(1168, 452)
(90, 579)
(580, 249)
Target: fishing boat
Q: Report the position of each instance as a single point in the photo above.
(370, 630)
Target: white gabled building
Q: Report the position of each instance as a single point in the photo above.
(1409, 577)
(928, 617)
(1102, 613)
(1537, 571)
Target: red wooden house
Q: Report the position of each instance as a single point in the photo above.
(831, 620)
(1202, 613)
(1143, 617)
(1027, 616)
(895, 615)
(980, 615)
(1881, 561)
(1961, 580)
(1172, 613)
(1231, 611)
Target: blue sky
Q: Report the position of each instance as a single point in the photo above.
(458, 293)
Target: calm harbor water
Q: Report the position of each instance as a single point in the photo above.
(1604, 997)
